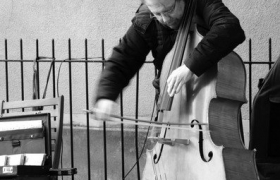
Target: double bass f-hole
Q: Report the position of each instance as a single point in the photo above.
(210, 154)
(156, 157)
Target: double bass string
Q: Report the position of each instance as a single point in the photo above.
(165, 101)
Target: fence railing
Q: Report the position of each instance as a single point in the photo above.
(86, 149)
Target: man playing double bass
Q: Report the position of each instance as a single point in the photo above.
(154, 28)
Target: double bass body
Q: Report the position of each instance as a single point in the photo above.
(214, 151)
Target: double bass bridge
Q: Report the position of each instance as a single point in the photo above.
(170, 142)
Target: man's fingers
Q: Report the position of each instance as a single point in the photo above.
(170, 85)
(102, 109)
(177, 79)
(179, 87)
(173, 85)
(100, 115)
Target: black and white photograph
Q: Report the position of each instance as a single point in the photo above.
(139, 90)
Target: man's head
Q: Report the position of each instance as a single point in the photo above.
(167, 12)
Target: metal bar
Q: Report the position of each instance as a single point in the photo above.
(53, 75)
(38, 67)
(53, 69)
(21, 72)
(7, 72)
(76, 60)
(269, 53)
(70, 103)
(54, 84)
(136, 126)
(122, 136)
(263, 62)
(103, 54)
(87, 106)
(250, 80)
(104, 123)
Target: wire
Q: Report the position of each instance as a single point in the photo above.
(57, 80)
(58, 73)
(144, 144)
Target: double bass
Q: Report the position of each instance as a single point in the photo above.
(211, 146)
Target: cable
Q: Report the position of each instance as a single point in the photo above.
(57, 80)
(145, 141)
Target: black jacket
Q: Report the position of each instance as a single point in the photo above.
(222, 33)
(264, 132)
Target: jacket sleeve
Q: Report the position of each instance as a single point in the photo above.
(224, 34)
(126, 59)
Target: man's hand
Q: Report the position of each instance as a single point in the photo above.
(177, 79)
(103, 109)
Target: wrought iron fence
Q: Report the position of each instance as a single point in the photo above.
(95, 140)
